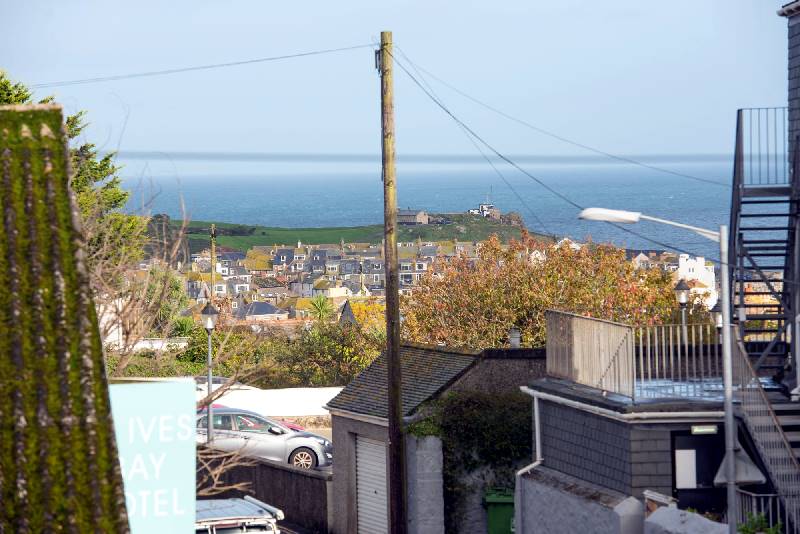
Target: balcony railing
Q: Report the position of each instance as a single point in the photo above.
(663, 361)
(762, 146)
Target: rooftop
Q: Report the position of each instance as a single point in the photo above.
(426, 370)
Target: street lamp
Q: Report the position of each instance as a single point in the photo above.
(716, 314)
(682, 296)
(209, 316)
(682, 293)
(620, 216)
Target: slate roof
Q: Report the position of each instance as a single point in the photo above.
(426, 371)
(231, 256)
(257, 308)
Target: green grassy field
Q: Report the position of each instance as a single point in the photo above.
(463, 228)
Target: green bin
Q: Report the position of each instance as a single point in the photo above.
(499, 511)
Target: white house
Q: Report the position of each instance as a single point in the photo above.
(702, 274)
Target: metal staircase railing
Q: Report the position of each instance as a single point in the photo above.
(761, 260)
(768, 436)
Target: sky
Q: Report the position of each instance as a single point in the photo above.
(628, 77)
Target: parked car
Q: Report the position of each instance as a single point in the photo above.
(218, 516)
(288, 424)
(291, 425)
(255, 435)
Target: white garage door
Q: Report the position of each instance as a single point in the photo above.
(371, 486)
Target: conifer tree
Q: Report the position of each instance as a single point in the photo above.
(58, 461)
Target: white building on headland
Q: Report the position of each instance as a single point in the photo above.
(700, 276)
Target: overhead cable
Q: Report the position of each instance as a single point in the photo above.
(525, 172)
(561, 138)
(195, 68)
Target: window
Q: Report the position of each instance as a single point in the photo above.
(283, 258)
(376, 278)
(251, 423)
(234, 304)
(405, 267)
(221, 422)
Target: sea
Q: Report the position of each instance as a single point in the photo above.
(331, 197)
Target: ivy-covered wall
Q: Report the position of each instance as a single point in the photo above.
(58, 462)
(485, 437)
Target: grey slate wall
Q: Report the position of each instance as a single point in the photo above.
(794, 81)
(651, 459)
(625, 457)
(586, 446)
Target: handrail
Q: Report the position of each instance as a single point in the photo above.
(768, 435)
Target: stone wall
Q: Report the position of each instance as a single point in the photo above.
(425, 485)
(503, 371)
(548, 501)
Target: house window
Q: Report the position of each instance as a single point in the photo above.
(376, 278)
(283, 258)
(405, 267)
(234, 305)
(420, 266)
(220, 287)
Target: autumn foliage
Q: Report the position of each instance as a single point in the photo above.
(474, 302)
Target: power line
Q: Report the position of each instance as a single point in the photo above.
(532, 176)
(195, 68)
(485, 157)
(560, 137)
(339, 157)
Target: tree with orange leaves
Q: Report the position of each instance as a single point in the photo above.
(474, 302)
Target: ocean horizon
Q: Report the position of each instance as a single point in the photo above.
(340, 196)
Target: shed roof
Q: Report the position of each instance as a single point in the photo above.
(426, 371)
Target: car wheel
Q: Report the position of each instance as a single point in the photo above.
(304, 458)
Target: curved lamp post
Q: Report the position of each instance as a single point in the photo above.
(629, 217)
(209, 316)
(681, 290)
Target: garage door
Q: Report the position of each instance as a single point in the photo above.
(371, 486)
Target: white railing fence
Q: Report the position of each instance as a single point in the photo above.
(591, 352)
(660, 361)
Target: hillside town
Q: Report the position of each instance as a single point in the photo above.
(277, 283)
(301, 348)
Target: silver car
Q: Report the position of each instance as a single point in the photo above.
(254, 435)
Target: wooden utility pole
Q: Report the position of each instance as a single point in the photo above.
(397, 453)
